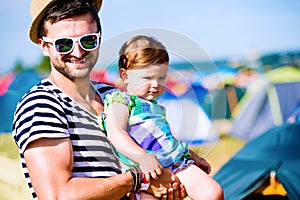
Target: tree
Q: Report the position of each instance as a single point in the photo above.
(19, 66)
(44, 66)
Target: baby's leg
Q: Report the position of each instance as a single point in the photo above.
(199, 185)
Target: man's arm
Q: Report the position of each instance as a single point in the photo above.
(50, 164)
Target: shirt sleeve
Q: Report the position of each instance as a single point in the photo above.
(119, 97)
(39, 115)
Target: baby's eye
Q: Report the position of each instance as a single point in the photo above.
(163, 78)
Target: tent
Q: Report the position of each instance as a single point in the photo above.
(223, 101)
(269, 104)
(188, 119)
(274, 151)
(5, 82)
(20, 83)
(295, 115)
(227, 92)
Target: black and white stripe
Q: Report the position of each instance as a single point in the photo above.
(46, 112)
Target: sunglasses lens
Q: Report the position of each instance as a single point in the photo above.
(63, 45)
(89, 42)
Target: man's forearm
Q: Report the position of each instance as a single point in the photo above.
(114, 187)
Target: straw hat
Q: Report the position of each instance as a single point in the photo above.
(38, 9)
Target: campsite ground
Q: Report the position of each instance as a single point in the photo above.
(12, 182)
(13, 186)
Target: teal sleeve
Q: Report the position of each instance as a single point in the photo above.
(119, 97)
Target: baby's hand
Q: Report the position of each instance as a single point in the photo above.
(150, 166)
(154, 174)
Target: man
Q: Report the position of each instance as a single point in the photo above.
(65, 155)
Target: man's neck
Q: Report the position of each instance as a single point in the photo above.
(73, 88)
(81, 91)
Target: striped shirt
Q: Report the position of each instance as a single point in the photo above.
(47, 112)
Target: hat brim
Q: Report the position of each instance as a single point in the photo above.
(33, 30)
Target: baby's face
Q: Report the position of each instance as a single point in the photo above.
(147, 82)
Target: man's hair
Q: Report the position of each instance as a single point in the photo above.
(63, 9)
(141, 51)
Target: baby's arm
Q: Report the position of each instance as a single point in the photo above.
(116, 124)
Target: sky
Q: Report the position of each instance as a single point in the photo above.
(222, 28)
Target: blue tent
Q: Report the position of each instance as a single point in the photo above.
(269, 101)
(22, 82)
(276, 150)
(271, 106)
(188, 119)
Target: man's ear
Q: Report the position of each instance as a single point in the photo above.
(44, 47)
(123, 75)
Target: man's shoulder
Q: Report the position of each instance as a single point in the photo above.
(43, 93)
(44, 88)
(104, 88)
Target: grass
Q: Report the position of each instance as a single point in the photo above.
(217, 154)
(12, 182)
(8, 147)
(13, 185)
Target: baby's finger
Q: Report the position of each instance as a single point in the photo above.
(158, 171)
(154, 175)
(147, 176)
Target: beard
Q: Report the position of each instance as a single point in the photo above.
(79, 69)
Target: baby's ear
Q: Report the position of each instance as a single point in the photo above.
(123, 75)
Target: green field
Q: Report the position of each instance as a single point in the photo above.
(12, 182)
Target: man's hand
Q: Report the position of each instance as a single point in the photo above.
(200, 162)
(167, 186)
(176, 192)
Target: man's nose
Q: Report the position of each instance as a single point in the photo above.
(77, 51)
